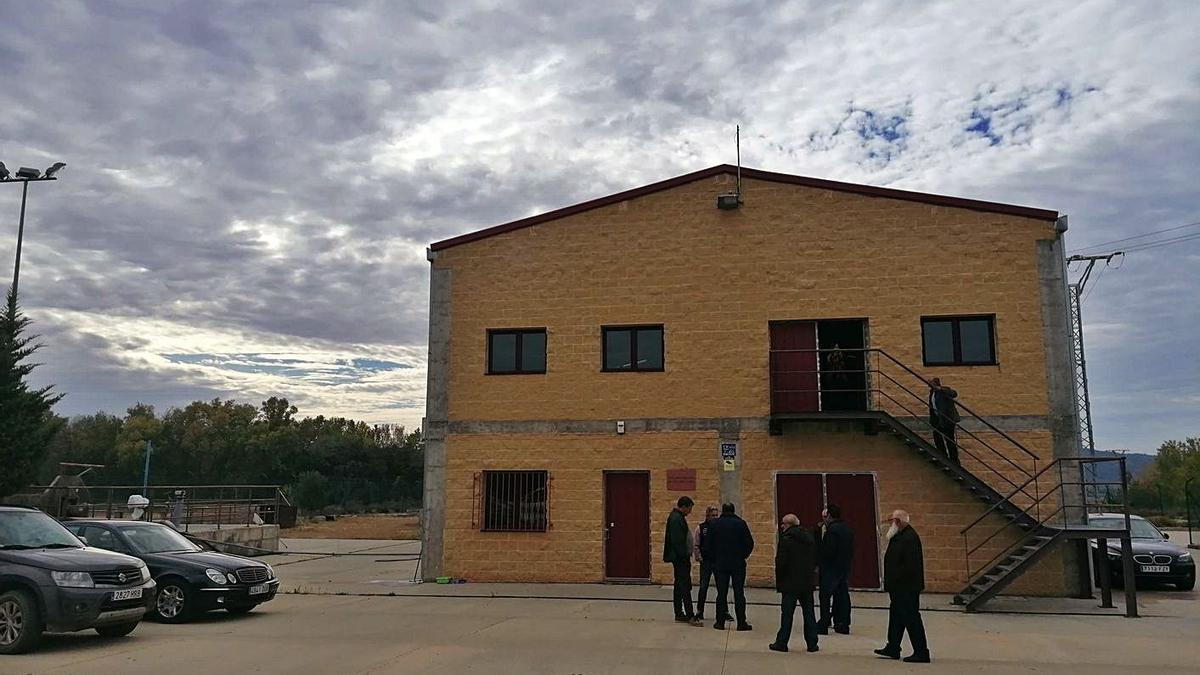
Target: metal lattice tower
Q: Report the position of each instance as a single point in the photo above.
(1083, 402)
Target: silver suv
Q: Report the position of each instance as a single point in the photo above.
(51, 581)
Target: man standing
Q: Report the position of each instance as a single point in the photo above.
(904, 579)
(943, 417)
(731, 544)
(836, 555)
(702, 547)
(677, 550)
(795, 562)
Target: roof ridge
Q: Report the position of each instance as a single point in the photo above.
(756, 174)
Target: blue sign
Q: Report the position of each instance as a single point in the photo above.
(729, 450)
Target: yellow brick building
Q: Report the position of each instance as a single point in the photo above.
(590, 365)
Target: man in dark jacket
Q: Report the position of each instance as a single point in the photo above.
(943, 417)
(795, 562)
(731, 544)
(836, 555)
(677, 550)
(904, 579)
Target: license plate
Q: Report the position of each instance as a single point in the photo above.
(260, 589)
(1151, 569)
(130, 594)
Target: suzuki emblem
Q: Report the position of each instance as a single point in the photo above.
(121, 577)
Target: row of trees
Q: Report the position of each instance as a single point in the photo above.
(206, 442)
(226, 442)
(1161, 488)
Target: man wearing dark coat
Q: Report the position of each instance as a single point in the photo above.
(795, 563)
(677, 550)
(836, 550)
(943, 417)
(731, 544)
(904, 579)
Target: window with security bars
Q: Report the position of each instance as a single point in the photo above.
(514, 501)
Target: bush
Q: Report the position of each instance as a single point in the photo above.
(310, 491)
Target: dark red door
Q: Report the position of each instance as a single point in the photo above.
(799, 493)
(627, 525)
(794, 367)
(855, 493)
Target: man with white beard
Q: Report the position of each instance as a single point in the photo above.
(904, 579)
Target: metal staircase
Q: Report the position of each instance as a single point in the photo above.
(1030, 504)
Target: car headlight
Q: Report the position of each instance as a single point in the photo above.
(144, 570)
(270, 572)
(1185, 556)
(73, 579)
(216, 576)
(232, 579)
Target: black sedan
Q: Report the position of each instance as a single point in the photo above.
(190, 579)
(1155, 558)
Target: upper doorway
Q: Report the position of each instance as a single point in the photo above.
(819, 365)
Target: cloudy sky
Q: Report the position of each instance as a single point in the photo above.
(251, 185)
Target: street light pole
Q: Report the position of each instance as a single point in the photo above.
(20, 238)
(25, 176)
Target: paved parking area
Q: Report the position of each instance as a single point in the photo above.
(352, 634)
(359, 615)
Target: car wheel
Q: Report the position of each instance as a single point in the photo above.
(20, 622)
(116, 630)
(242, 609)
(1187, 584)
(173, 604)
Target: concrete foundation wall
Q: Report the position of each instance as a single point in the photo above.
(244, 540)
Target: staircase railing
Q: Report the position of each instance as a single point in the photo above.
(1056, 515)
(871, 379)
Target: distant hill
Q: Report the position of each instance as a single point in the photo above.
(1136, 462)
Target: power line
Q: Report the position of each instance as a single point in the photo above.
(1138, 236)
(1163, 242)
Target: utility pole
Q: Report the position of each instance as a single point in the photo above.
(1083, 401)
(146, 472)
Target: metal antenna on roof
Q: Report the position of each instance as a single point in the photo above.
(737, 139)
(730, 201)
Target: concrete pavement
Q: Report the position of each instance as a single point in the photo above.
(347, 634)
(361, 614)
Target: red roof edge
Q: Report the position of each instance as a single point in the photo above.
(756, 174)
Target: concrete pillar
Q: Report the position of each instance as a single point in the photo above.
(730, 481)
(1063, 415)
(433, 427)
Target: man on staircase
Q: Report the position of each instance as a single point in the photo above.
(943, 417)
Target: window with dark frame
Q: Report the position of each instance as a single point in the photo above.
(632, 349)
(958, 340)
(517, 351)
(515, 501)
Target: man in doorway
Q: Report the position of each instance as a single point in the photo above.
(836, 556)
(702, 548)
(943, 417)
(677, 550)
(731, 545)
(904, 579)
(795, 563)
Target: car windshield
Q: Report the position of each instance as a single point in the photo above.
(1138, 529)
(153, 538)
(33, 529)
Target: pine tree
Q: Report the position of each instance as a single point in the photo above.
(26, 423)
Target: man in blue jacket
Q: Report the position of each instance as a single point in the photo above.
(731, 544)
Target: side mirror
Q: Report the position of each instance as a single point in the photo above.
(83, 539)
(1165, 536)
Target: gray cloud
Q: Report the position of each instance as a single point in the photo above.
(245, 180)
